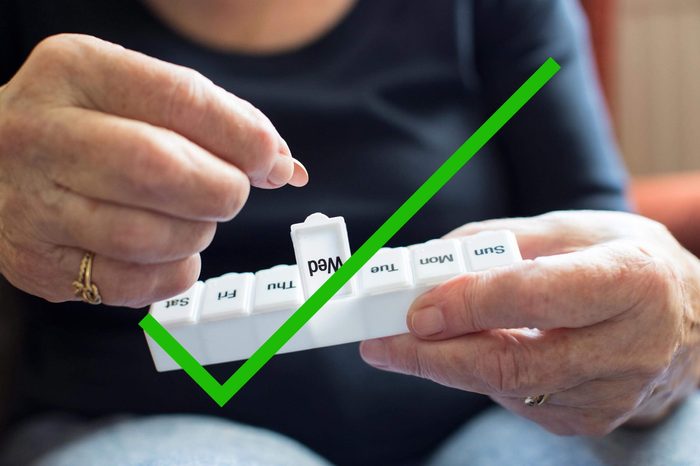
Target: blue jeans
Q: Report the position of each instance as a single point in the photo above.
(493, 438)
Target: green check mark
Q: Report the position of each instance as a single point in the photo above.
(221, 394)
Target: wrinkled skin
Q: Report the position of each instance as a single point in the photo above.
(107, 150)
(604, 315)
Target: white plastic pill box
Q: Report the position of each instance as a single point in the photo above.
(229, 317)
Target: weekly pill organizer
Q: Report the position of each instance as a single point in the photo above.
(228, 318)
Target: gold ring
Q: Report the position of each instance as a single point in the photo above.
(536, 400)
(84, 288)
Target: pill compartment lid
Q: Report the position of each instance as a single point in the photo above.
(321, 246)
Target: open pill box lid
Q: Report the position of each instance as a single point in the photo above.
(321, 246)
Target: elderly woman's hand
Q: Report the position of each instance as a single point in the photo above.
(107, 150)
(606, 320)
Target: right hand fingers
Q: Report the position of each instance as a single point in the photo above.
(141, 256)
(110, 230)
(146, 166)
(82, 71)
(119, 283)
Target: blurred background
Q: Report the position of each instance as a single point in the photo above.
(649, 58)
(648, 54)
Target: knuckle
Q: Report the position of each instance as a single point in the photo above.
(182, 276)
(27, 132)
(187, 101)
(646, 273)
(531, 304)
(185, 239)
(153, 171)
(132, 240)
(58, 52)
(202, 237)
(125, 290)
(142, 285)
(231, 198)
(660, 229)
(53, 48)
(415, 363)
(659, 290)
(406, 360)
(147, 242)
(52, 64)
(264, 141)
(661, 280)
(205, 236)
(56, 61)
(262, 145)
(503, 369)
(470, 289)
(238, 198)
(137, 301)
(163, 165)
(134, 297)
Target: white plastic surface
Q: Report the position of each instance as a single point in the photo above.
(491, 249)
(437, 261)
(277, 288)
(321, 247)
(227, 295)
(222, 327)
(180, 309)
(388, 270)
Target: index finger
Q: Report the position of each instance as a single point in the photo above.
(571, 290)
(132, 85)
(505, 362)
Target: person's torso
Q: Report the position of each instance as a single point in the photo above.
(371, 109)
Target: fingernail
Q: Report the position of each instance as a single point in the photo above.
(427, 321)
(282, 171)
(300, 176)
(374, 352)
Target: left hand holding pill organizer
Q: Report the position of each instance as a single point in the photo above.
(109, 154)
(227, 318)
